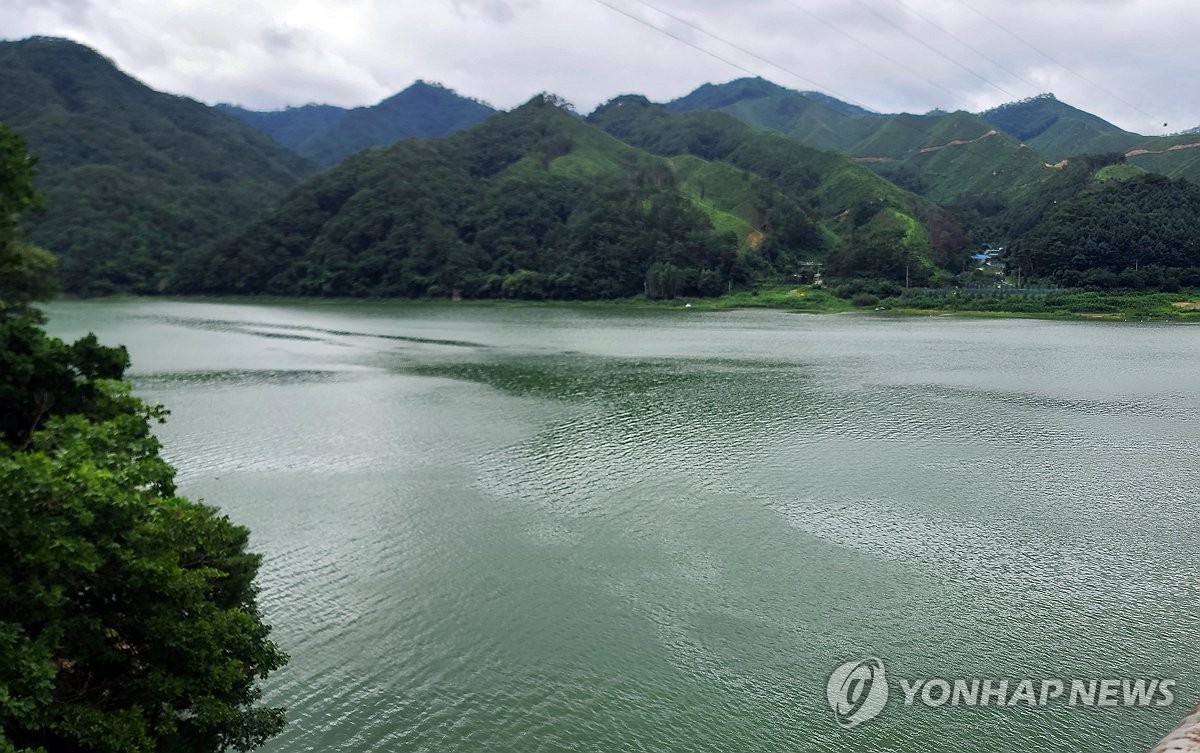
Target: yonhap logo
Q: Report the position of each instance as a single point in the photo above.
(857, 692)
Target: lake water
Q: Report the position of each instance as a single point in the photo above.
(586, 529)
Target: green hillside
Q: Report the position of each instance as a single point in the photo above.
(947, 157)
(1060, 131)
(1174, 156)
(731, 202)
(1135, 232)
(1053, 128)
(870, 218)
(131, 177)
(149, 193)
(816, 120)
(534, 203)
(989, 172)
(327, 135)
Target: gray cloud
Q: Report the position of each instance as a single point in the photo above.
(1130, 61)
(496, 10)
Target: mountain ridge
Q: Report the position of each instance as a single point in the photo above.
(132, 176)
(151, 192)
(327, 134)
(531, 203)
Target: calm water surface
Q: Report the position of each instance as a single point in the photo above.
(568, 529)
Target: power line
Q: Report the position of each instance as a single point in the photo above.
(1046, 55)
(748, 52)
(676, 37)
(743, 50)
(885, 56)
(960, 40)
(933, 49)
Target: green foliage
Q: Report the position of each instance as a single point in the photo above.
(1120, 171)
(742, 202)
(815, 119)
(1053, 128)
(1173, 156)
(830, 196)
(129, 620)
(531, 204)
(132, 177)
(718, 96)
(890, 246)
(43, 377)
(1110, 229)
(1060, 131)
(26, 272)
(420, 110)
(802, 298)
(17, 193)
(878, 287)
(946, 157)
(1091, 304)
(1002, 218)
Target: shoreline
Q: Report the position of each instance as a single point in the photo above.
(1105, 307)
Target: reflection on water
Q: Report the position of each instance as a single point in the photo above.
(544, 529)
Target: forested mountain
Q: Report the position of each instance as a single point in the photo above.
(876, 227)
(534, 203)
(291, 126)
(1135, 232)
(1000, 171)
(1060, 131)
(1053, 128)
(148, 192)
(1175, 156)
(720, 96)
(327, 134)
(132, 177)
(947, 157)
(822, 123)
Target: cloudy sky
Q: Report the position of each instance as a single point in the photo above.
(1130, 61)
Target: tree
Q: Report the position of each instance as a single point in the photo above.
(26, 275)
(16, 182)
(128, 615)
(26, 272)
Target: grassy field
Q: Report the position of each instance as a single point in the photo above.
(1075, 305)
(1070, 305)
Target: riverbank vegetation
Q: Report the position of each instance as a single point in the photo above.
(1120, 306)
(128, 614)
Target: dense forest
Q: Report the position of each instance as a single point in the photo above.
(327, 135)
(128, 615)
(131, 177)
(1137, 233)
(878, 229)
(530, 204)
(432, 194)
